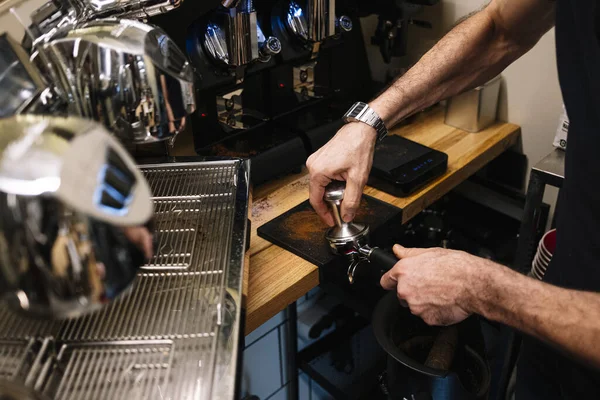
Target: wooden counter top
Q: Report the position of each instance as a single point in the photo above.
(277, 277)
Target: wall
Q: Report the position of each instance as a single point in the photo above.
(530, 95)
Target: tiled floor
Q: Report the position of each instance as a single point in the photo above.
(264, 370)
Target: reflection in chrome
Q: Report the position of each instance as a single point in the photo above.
(241, 36)
(296, 21)
(216, 43)
(128, 75)
(64, 249)
(20, 82)
(316, 22)
(230, 3)
(137, 9)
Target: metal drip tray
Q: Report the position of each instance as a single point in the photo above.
(16, 358)
(176, 334)
(134, 370)
(191, 181)
(17, 327)
(162, 306)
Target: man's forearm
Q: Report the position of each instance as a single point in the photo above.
(473, 52)
(566, 319)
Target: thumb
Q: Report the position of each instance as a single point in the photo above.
(388, 281)
(404, 252)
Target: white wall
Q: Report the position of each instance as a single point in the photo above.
(530, 96)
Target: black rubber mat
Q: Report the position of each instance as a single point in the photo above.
(301, 231)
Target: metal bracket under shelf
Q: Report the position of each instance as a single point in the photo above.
(549, 171)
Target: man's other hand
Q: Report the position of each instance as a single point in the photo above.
(439, 285)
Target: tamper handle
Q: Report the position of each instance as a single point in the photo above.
(334, 194)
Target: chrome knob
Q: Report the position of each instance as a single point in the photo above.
(270, 46)
(344, 23)
(267, 46)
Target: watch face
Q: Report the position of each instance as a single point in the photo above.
(367, 116)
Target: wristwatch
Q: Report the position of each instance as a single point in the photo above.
(361, 112)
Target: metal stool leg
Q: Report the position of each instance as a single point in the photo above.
(292, 350)
(529, 225)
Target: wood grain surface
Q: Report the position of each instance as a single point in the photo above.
(277, 277)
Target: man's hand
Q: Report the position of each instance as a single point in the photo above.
(437, 284)
(348, 156)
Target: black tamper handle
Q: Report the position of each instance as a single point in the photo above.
(382, 259)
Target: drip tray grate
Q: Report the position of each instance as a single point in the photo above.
(162, 305)
(191, 182)
(175, 334)
(127, 370)
(188, 225)
(17, 357)
(16, 326)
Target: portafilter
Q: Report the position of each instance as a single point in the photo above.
(128, 75)
(351, 239)
(73, 209)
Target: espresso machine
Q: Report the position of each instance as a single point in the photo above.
(120, 278)
(267, 75)
(274, 77)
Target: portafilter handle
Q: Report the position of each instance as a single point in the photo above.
(334, 194)
(376, 257)
(379, 257)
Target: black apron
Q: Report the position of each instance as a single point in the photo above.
(542, 372)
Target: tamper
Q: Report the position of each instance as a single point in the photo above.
(351, 239)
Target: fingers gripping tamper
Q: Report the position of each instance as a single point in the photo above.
(351, 239)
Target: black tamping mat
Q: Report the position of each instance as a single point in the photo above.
(301, 231)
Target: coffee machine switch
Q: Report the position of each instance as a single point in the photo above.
(271, 46)
(344, 23)
(267, 46)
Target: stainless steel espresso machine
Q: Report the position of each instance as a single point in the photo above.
(274, 77)
(117, 280)
(147, 304)
(267, 76)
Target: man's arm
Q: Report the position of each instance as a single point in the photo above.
(470, 54)
(445, 286)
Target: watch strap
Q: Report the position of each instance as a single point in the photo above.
(361, 112)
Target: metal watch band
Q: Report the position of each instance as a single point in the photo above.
(361, 112)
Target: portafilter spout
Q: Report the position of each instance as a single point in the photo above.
(351, 239)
